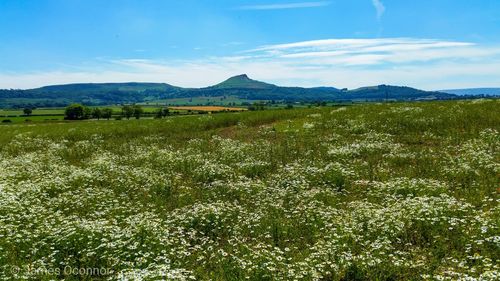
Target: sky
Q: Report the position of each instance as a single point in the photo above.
(427, 44)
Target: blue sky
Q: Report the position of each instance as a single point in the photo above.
(429, 44)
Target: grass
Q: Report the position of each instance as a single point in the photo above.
(199, 101)
(38, 111)
(29, 119)
(57, 114)
(403, 191)
(208, 108)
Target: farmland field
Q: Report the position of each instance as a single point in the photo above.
(208, 108)
(8, 116)
(38, 111)
(24, 119)
(403, 191)
(60, 111)
(194, 101)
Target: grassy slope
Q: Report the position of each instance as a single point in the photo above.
(368, 192)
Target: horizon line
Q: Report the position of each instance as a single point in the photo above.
(305, 87)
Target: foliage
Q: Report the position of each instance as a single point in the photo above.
(76, 112)
(257, 106)
(128, 111)
(27, 111)
(162, 112)
(96, 113)
(107, 113)
(138, 111)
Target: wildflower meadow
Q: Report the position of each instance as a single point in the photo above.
(389, 191)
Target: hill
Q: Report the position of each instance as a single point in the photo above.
(393, 93)
(242, 82)
(88, 93)
(240, 86)
(474, 92)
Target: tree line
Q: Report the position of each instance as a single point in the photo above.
(81, 112)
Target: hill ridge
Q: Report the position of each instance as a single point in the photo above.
(488, 91)
(241, 86)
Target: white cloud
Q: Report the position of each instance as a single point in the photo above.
(286, 6)
(422, 63)
(352, 44)
(379, 7)
(370, 51)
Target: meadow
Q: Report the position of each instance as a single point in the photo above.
(396, 191)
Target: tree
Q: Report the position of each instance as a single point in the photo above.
(257, 106)
(87, 112)
(165, 112)
(75, 112)
(138, 111)
(127, 111)
(96, 113)
(162, 112)
(159, 113)
(27, 111)
(107, 113)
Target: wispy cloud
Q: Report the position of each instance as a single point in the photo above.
(282, 6)
(379, 7)
(422, 63)
(369, 51)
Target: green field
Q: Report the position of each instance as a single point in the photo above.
(57, 113)
(60, 111)
(16, 116)
(38, 111)
(403, 191)
(28, 119)
(220, 101)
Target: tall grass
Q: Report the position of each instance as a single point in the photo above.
(404, 191)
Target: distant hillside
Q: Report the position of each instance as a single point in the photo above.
(474, 91)
(242, 82)
(93, 88)
(240, 86)
(90, 93)
(394, 93)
